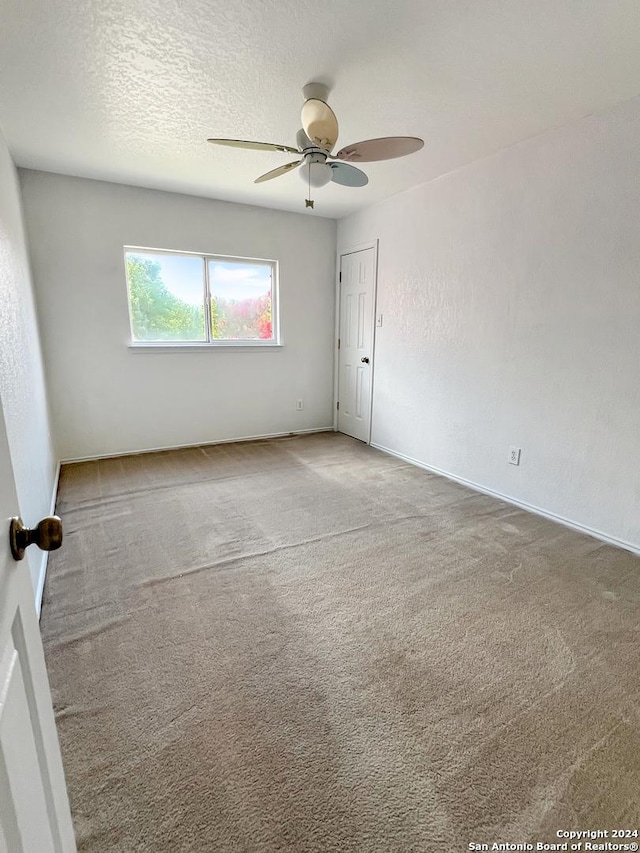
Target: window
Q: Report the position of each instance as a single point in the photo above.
(184, 298)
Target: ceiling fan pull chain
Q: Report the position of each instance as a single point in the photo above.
(308, 202)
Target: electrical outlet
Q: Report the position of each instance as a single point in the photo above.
(514, 455)
(299, 405)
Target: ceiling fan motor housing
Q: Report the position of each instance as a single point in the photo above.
(302, 140)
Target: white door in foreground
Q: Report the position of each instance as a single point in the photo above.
(34, 808)
(355, 356)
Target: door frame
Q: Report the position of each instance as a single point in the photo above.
(349, 250)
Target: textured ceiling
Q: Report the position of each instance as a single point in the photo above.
(128, 90)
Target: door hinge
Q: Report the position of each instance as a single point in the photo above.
(338, 343)
(340, 276)
(338, 406)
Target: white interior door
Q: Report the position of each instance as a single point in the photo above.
(355, 354)
(34, 807)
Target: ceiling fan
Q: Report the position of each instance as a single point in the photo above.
(316, 140)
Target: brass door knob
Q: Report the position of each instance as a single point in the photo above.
(47, 535)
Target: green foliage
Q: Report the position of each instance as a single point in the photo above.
(156, 314)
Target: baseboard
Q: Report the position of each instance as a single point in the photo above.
(45, 554)
(567, 522)
(73, 459)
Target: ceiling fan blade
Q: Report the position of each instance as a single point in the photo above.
(260, 146)
(275, 173)
(348, 175)
(320, 123)
(386, 148)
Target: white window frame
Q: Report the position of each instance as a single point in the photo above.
(210, 343)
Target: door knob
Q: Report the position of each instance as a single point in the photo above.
(364, 359)
(47, 535)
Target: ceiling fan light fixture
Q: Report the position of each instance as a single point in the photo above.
(316, 174)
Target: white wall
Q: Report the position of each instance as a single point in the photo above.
(510, 293)
(108, 398)
(22, 389)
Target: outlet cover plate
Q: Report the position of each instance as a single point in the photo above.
(514, 455)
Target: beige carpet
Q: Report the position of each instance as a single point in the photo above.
(306, 645)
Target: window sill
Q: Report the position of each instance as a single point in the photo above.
(228, 346)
